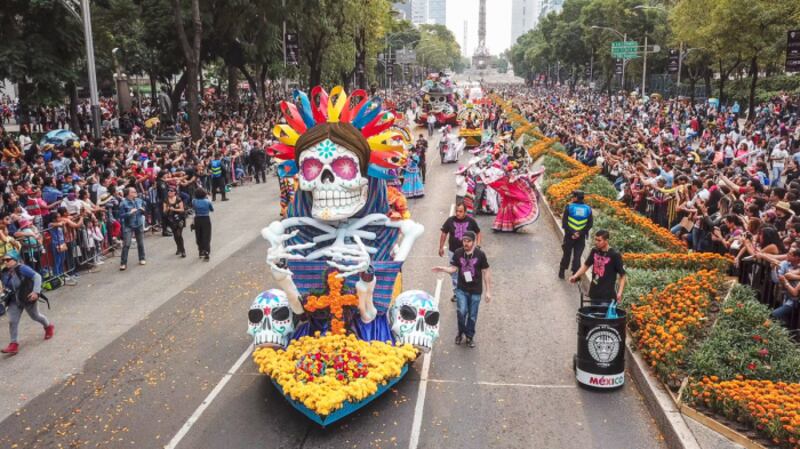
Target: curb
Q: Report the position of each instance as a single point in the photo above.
(668, 418)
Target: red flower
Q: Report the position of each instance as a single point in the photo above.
(757, 338)
(763, 352)
(752, 366)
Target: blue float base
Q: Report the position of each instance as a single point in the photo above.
(347, 408)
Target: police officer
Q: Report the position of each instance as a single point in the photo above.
(217, 178)
(576, 223)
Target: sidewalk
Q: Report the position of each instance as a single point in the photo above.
(106, 304)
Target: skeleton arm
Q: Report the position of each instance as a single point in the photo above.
(366, 308)
(278, 253)
(411, 231)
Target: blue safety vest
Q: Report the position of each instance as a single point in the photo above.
(578, 216)
(216, 168)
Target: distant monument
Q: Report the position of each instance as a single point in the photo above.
(481, 59)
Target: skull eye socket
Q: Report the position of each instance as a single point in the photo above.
(345, 168)
(310, 168)
(255, 315)
(408, 313)
(280, 313)
(432, 318)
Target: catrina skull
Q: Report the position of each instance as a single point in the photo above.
(332, 174)
(271, 319)
(414, 317)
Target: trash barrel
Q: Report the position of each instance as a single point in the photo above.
(600, 361)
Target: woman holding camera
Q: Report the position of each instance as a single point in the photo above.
(175, 214)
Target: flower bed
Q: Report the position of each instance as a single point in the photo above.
(689, 261)
(772, 408)
(324, 372)
(665, 323)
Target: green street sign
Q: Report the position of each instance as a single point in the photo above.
(625, 49)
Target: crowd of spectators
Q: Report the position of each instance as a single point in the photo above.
(60, 205)
(722, 181)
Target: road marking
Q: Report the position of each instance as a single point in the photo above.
(207, 401)
(419, 408)
(502, 384)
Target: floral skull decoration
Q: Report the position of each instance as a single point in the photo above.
(271, 319)
(414, 318)
(332, 174)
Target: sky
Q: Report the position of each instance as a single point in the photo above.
(498, 23)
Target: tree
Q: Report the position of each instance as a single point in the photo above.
(191, 54)
(40, 46)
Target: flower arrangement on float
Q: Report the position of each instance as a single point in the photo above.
(324, 372)
(688, 261)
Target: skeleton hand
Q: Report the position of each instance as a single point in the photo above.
(357, 255)
(410, 230)
(278, 252)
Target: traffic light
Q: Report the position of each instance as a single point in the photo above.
(292, 48)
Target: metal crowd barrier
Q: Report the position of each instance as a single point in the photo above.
(758, 275)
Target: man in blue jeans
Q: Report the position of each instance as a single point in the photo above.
(132, 211)
(473, 273)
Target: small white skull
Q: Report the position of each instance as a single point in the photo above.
(414, 317)
(332, 174)
(271, 319)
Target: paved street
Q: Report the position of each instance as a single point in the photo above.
(154, 353)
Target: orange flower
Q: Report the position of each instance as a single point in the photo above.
(334, 301)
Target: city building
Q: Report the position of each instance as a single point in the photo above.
(422, 11)
(437, 12)
(403, 9)
(549, 6)
(524, 17)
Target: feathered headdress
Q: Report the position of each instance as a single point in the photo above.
(367, 116)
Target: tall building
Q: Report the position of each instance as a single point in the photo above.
(549, 6)
(524, 17)
(419, 11)
(437, 12)
(423, 11)
(403, 9)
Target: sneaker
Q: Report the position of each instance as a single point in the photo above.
(142, 262)
(453, 299)
(459, 339)
(11, 349)
(561, 274)
(49, 331)
(470, 342)
(183, 255)
(123, 267)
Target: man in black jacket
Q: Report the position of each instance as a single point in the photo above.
(257, 159)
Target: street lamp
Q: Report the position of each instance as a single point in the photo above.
(86, 19)
(644, 52)
(624, 37)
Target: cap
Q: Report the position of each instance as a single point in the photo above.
(468, 235)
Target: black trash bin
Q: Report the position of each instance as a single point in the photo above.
(600, 361)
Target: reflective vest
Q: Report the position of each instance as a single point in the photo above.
(578, 216)
(216, 168)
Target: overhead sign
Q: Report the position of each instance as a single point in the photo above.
(292, 49)
(673, 62)
(793, 51)
(406, 56)
(625, 49)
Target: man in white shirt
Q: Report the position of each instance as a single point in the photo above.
(778, 159)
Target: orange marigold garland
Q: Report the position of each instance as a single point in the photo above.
(688, 261)
(334, 301)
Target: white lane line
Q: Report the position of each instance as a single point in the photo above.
(419, 408)
(207, 401)
(503, 384)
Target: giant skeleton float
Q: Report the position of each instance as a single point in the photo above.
(337, 330)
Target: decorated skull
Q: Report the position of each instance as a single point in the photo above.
(332, 174)
(415, 319)
(271, 319)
